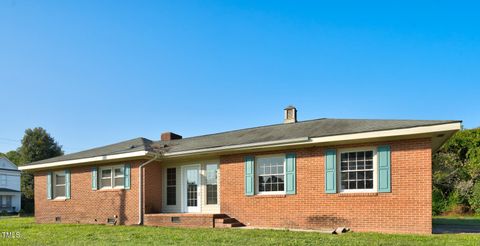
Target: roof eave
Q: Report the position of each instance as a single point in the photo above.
(441, 131)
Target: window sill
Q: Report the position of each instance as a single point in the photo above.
(111, 190)
(358, 194)
(269, 196)
(59, 199)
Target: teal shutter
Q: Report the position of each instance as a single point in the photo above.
(94, 178)
(126, 176)
(249, 176)
(49, 185)
(330, 171)
(384, 182)
(67, 183)
(290, 174)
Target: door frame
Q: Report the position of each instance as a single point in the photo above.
(184, 188)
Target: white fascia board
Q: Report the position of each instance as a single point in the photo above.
(86, 160)
(391, 133)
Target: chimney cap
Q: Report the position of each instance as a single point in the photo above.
(290, 107)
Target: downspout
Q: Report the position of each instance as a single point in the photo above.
(140, 188)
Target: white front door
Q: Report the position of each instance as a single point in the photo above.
(191, 188)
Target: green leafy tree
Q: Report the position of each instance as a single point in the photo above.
(456, 171)
(37, 145)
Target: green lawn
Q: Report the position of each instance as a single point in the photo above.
(57, 234)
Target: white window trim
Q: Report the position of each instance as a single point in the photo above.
(112, 178)
(375, 169)
(175, 185)
(216, 183)
(54, 182)
(256, 183)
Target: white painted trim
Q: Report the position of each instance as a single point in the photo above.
(112, 178)
(257, 192)
(375, 169)
(183, 186)
(390, 133)
(85, 160)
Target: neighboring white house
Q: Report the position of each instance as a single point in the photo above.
(9, 186)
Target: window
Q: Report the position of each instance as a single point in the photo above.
(212, 184)
(357, 171)
(171, 186)
(59, 184)
(6, 201)
(3, 180)
(112, 177)
(270, 173)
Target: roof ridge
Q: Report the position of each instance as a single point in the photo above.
(300, 122)
(248, 128)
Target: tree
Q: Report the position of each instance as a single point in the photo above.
(37, 145)
(456, 173)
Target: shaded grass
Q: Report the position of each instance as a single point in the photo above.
(62, 234)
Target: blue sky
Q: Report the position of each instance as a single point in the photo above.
(98, 72)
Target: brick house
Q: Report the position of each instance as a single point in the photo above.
(369, 175)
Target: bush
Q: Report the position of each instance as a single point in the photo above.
(475, 198)
(3, 213)
(439, 202)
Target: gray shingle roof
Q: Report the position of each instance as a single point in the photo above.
(310, 128)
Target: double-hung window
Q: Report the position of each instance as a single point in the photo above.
(59, 184)
(357, 170)
(112, 177)
(212, 196)
(171, 186)
(270, 174)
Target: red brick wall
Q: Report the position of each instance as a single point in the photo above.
(407, 209)
(87, 205)
(153, 187)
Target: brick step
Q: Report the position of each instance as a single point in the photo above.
(227, 222)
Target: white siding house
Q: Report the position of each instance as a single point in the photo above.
(9, 186)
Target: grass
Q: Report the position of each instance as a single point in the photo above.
(62, 234)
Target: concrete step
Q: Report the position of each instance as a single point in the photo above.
(229, 225)
(227, 222)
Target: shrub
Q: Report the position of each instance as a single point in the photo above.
(475, 198)
(439, 202)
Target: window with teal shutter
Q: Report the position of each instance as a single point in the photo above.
(127, 176)
(384, 176)
(94, 178)
(330, 171)
(290, 178)
(67, 184)
(49, 185)
(249, 176)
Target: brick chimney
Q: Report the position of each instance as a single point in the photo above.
(170, 136)
(290, 115)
